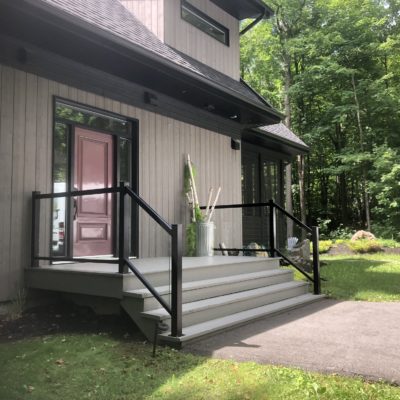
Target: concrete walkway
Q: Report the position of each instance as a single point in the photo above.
(350, 338)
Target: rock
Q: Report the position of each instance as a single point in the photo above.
(255, 246)
(363, 235)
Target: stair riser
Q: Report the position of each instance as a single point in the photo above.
(199, 335)
(202, 273)
(207, 292)
(245, 304)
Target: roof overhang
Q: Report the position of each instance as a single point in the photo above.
(70, 37)
(273, 142)
(243, 9)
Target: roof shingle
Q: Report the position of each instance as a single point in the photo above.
(281, 131)
(112, 16)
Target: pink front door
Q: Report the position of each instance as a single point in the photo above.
(92, 215)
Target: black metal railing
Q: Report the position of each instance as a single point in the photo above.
(124, 262)
(273, 237)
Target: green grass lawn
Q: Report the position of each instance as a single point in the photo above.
(98, 366)
(362, 277)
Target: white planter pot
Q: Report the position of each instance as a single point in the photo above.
(205, 239)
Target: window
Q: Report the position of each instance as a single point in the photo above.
(204, 23)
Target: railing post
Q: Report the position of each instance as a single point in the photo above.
(316, 265)
(176, 298)
(123, 237)
(272, 228)
(35, 233)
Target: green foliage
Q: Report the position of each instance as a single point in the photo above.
(191, 239)
(371, 277)
(325, 245)
(364, 246)
(389, 243)
(104, 368)
(324, 55)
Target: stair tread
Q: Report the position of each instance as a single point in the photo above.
(150, 266)
(193, 285)
(204, 328)
(199, 305)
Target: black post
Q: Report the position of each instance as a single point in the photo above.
(35, 229)
(176, 306)
(272, 228)
(316, 265)
(123, 237)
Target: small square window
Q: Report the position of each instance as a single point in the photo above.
(203, 22)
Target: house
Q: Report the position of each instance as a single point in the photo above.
(94, 92)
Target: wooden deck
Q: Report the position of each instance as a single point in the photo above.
(101, 279)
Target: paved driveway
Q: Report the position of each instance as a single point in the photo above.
(352, 338)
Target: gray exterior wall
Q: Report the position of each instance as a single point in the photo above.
(26, 132)
(150, 13)
(163, 18)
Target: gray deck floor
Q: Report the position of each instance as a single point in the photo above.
(153, 264)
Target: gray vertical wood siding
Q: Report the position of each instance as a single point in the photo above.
(150, 13)
(26, 135)
(190, 40)
(163, 18)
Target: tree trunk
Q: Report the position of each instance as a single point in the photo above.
(364, 169)
(288, 122)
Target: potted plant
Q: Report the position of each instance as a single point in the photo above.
(200, 232)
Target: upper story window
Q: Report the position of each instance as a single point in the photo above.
(204, 22)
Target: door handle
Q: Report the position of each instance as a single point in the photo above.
(75, 204)
(75, 208)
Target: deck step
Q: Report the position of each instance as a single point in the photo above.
(200, 268)
(207, 328)
(200, 290)
(216, 307)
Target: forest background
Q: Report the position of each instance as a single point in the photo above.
(333, 68)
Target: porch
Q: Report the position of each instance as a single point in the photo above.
(175, 299)
(218, 292)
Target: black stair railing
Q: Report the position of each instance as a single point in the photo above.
(273, 237)
(124, 262)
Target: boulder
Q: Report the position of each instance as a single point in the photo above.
(363, 235)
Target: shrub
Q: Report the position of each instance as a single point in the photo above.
(390, 243)
(324, 246)
(364, 246)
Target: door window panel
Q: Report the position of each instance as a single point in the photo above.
(60, 179)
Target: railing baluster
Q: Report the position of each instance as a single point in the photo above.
(176, 300)
(272, 227)
(123, 238)
(35, 232)
(316, 264)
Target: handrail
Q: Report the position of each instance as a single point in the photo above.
(314, 231)
(175, 231)
(148, 285)
(293, 218)
(165, 225)
(287, 259)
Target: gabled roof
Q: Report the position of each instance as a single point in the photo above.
(113, 17)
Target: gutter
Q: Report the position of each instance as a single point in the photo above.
(265, 14)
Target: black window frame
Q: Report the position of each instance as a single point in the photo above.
(207, 19)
